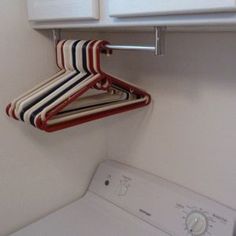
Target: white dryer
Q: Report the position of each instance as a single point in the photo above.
(124, 201)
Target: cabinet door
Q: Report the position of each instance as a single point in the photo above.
(126, 8)
(50, 10)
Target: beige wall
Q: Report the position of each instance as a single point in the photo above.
(187, 135)
(39, 172)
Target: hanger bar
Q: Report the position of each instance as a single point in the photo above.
(129, 47)
(158, 48)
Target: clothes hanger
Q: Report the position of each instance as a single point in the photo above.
(71, 72)
(62, 102)
(95, 100)
(97, 76)
(42, 91)
(82, 76)
(10, 110)
(46, 124)
(68, 66)
(83, 63)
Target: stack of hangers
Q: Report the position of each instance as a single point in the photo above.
(78, 93)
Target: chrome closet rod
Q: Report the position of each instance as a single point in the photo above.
(129, 47)
(158, 49)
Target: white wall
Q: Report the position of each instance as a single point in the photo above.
(188, 135)
(39, 172)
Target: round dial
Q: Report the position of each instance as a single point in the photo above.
(196, 223)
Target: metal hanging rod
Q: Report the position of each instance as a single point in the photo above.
(132, 48)
(158, 48)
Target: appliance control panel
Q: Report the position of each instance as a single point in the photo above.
(167, 206)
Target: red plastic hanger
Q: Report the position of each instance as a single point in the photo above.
(102, 82)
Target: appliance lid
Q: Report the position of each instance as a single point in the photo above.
(90, 216)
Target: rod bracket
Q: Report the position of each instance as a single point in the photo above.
(56, 35)
(159, 40)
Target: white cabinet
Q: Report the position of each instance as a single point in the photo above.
(110, 14)
(124, 8)
(59, 10)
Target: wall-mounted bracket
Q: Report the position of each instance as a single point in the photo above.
(56, 35)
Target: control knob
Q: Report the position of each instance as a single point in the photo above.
(196, 223)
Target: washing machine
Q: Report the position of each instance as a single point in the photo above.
(124, 201)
